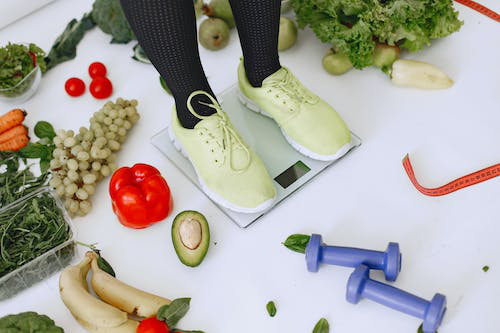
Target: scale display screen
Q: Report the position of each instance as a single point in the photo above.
(292, 174)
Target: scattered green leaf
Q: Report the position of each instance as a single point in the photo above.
(486, 268)
(271, 308)
(64, 47)
(173, 312)
(44, 129)
(297, 242)
(322, 326)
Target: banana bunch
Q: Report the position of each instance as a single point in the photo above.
(109, 314)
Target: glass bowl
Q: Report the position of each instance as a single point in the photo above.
(24, 89)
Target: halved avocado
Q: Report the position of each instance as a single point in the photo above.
(191, 237)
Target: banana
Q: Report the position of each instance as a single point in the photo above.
(130, 326)
(123, 296)
(74, 293)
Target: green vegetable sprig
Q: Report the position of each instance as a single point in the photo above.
(353, 27)
(15, 182)
(43, 148)
(30, 230)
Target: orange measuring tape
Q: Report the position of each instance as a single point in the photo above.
(480, 8)
(455, 185)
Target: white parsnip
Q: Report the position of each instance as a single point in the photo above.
(418, 74)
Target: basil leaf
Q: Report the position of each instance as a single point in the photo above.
(105, 266)
(173, 312)
(44, 129)
(322, 326)
(35, 150)
(486, 268)
(271, 308)
(44, 166)
(176, 330)
(297, 242)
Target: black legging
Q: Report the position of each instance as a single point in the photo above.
(166, 30)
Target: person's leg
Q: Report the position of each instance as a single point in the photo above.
(258, 24)
(166, 30)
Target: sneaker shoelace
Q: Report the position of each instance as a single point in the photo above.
(293, 89)
(229, 135)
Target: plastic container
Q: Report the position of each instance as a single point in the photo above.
(44, 265)
(24, 89)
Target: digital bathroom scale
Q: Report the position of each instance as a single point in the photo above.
(289, 169)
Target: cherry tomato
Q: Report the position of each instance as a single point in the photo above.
(152, 325)
(33, 57)
(97, 69)
(101, 87)
(74, 87)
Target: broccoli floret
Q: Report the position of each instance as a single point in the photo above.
(109, 17)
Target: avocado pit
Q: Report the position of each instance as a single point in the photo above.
(190, 233)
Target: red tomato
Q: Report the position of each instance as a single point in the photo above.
(101, 87)
(33, 57)
(152, 325)
(97, 69)
(74, 87)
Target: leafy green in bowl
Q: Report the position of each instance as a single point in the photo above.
(21, 68)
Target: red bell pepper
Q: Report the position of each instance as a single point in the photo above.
(140, 196)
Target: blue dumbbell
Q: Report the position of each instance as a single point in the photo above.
(318, 253)
(361, 286)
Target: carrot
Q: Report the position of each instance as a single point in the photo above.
(11, 119)
(15, 143)
(13, 132)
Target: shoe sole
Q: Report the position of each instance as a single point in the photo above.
(301, 149)
(211, 194)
